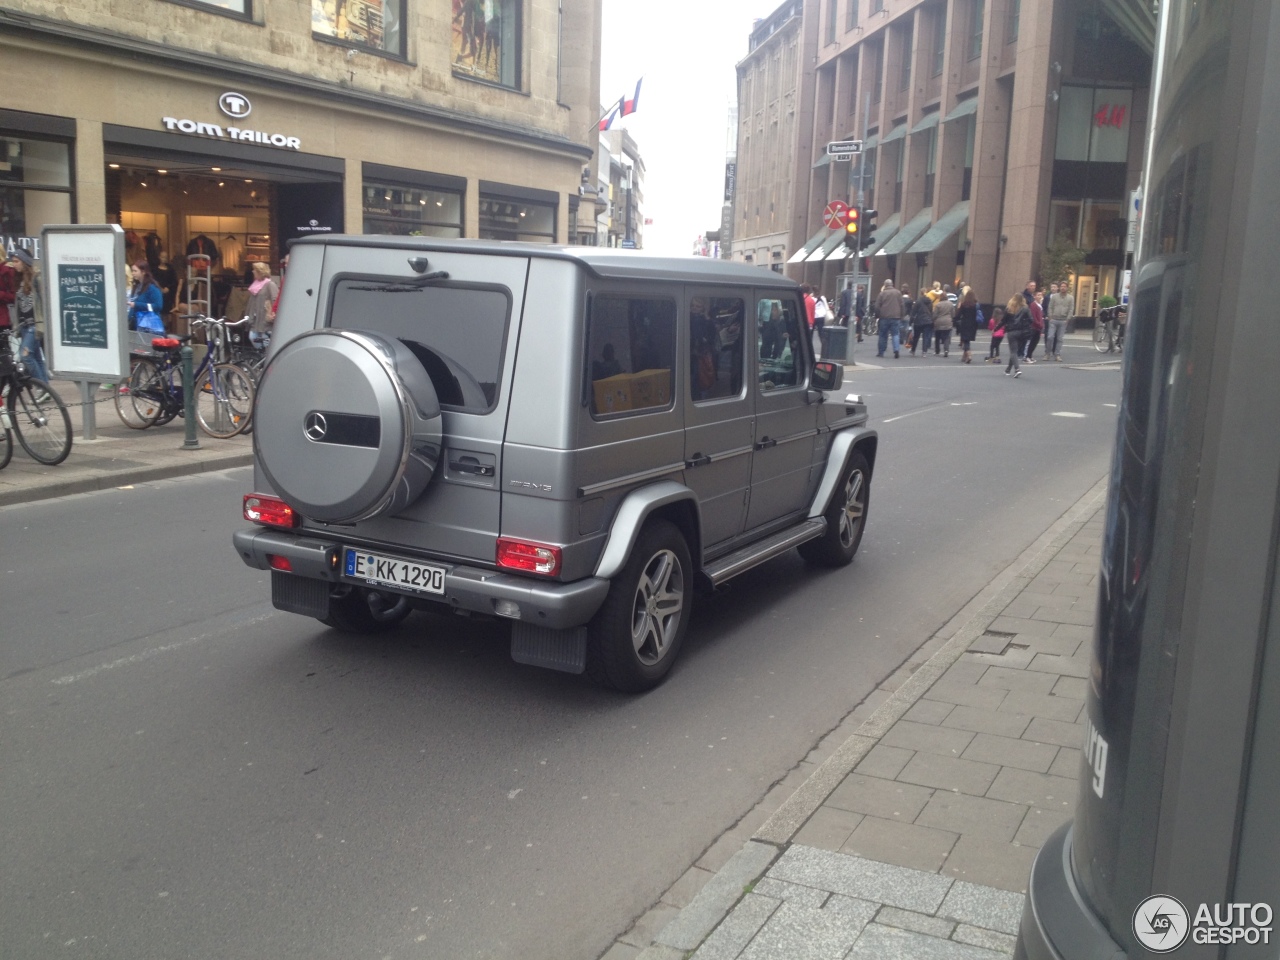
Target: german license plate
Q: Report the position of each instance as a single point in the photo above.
(394, 572)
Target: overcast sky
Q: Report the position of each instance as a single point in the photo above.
(686, 51)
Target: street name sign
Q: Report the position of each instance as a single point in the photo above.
(844, 149)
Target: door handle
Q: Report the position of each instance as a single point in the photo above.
(766, 443)
(697, 460)
(471, 466)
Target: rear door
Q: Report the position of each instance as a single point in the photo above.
(463, 328)
(719, 408)
(785, 421)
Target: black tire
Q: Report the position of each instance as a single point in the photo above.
(846, 517)
(636, 635)
(358, 610)
(224, 401)
(6, 448)
(139, 397)
(41, 421)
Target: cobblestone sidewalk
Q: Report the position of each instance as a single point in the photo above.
(915, 837)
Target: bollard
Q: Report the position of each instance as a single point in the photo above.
(189, 399)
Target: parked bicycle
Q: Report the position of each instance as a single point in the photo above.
(152, 394)
(33, 410)
(1108, 331)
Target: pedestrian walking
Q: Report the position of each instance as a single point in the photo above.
(996, 325)
(845, 309)
(145, 295)
(944, 312)
(8, 290)
(921, 323)
(966, 322)
(1037, 325)
(1017, 327)
(821, 310)
(1062, 307)
(889, 309)
(860, 308)
(262, 297)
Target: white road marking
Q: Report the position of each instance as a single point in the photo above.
(1066, 413)
(155, 651)
(911, 414)
(1110, 404)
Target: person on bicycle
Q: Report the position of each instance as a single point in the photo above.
(28, 306)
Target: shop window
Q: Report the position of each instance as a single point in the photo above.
(35, 190)
(509, 219)
(369, 24)
(631, 349)
(715, 347)
(412, 211)
(239, 8)
(486, 40)
(1064, 220)
(1104, 226)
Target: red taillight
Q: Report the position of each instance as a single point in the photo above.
(270, 511)
(528, 557)
(279, 563)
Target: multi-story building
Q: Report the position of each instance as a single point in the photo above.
(238, 125)
(775, 120)
(990, 127)
(626, 190)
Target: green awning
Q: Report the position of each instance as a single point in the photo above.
(897, 133)
(948, 224)
(965, 108)
(809, 245)
(884, 233)
(870, 142)
(834, 240)
(929, 120)
(908, 234)
(822, 161)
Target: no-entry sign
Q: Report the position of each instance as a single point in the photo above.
(836, 214)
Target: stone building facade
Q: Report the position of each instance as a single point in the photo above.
(253, 122)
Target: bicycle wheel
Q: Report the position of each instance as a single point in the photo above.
(6, 448)
(871, 325)
(224, 402)
(1101, 335)
(41, 421)
(139, 397)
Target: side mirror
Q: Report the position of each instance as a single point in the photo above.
(827, 375)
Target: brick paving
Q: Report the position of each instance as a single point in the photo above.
(945, 786)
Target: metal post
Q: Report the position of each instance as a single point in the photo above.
(189, 399)
(88, 411)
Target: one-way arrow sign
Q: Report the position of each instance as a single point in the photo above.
(844, 149)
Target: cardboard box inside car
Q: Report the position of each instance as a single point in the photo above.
(633, 391)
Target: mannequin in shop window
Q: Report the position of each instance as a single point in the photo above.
(262, 297)
(203, 245)
(154, 247)
(167, 278)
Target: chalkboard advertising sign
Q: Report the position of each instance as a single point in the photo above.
(82, 289)
(83, 276)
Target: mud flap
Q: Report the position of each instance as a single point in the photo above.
(300, 595)
(563, 650)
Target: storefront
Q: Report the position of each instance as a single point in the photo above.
(36, 180)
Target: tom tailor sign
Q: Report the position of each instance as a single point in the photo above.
(224, 132)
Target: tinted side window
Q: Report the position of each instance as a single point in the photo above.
(632, 354)
(715, 347)
(778, 324)
(458, 332)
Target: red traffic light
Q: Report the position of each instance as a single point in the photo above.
(851, 225)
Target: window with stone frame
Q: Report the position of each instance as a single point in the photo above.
(368, 24)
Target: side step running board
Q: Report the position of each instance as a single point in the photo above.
(740, 561)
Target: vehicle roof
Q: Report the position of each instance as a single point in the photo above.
(605, 262)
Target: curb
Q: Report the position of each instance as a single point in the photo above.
(726, 888)
(62, 488)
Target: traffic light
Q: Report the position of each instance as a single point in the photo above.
(868, 227)
(852, 236)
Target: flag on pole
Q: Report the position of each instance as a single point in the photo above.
(629, 106)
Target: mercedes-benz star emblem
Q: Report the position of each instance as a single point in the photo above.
(316, 426)
(235, 105)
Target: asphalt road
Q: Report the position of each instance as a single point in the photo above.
(189, 773)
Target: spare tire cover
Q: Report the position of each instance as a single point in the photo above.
(347, 425)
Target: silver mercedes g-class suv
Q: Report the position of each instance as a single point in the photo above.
(575, 439)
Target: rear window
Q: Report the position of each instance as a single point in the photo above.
(457, 331)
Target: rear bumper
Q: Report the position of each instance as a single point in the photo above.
(543, 603)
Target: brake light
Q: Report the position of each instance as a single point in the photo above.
(278, 562)
(528, 557)
(269, 511)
